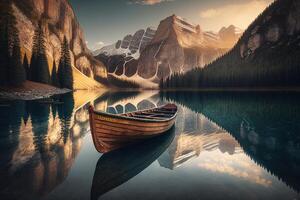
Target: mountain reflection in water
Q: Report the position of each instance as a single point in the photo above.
(39, 146)
(266, 125)
(224, 146)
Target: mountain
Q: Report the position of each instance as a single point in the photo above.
(267, 55)
(58, 20)
(175, 47)
(131, 45)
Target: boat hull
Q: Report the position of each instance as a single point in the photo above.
(111, 132)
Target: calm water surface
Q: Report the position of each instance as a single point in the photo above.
(223, 146)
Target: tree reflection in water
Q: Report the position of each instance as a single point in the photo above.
(266, 125)
(40, 142)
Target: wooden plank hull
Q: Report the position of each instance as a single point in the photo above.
(111, 132)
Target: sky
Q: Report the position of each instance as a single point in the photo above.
(106, 21)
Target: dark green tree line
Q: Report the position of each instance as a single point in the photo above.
(4, 47)
(14, 71)
(278, 67)
(17, 74)
(11, 68)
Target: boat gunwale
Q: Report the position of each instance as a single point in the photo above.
(118, 116)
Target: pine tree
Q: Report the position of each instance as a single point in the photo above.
(39, 66)
(33, 67)
(11, 70)
(4, 55)
(26, 67)
(35, 50)
(60, 71)
(161, 83)
(7, 29)
(54, 77)
(65, 73)
(43, 74)
(17, 74)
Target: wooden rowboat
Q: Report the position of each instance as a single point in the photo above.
(111, 131)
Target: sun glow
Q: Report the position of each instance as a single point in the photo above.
(241, 15)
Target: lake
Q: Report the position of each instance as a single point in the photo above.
(223, 146)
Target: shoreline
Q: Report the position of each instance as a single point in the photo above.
(241, 89)
(36, 91)
(31, 95)
(30, 91)
(263, 89)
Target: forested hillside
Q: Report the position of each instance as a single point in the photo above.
(267, 55)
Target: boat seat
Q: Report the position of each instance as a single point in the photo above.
(147, 117)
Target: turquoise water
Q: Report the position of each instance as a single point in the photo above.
(223, 146)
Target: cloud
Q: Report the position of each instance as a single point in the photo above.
(147, 2)
(209, 13)
(241, 14)
(98, 45)
(238, 165)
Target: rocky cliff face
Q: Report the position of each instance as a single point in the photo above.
(176, 47)
(277, 28)
(58, 20)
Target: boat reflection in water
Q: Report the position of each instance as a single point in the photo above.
(207, 139)
(119, 166)
(224, 146)
(194, 132)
